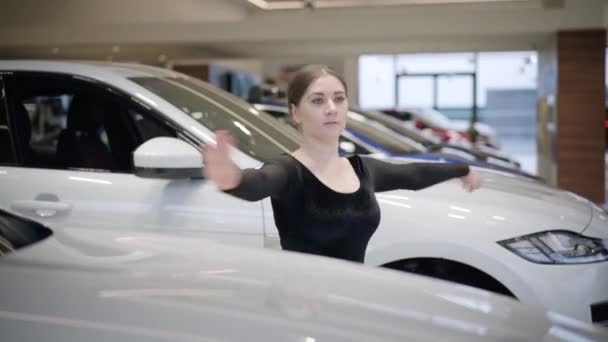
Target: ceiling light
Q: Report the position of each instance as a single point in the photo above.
(312, 4)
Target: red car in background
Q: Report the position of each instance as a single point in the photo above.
(437, 124)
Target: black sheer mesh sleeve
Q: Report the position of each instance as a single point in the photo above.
(413, 176)
(256, 184)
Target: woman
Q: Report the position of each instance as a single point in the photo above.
(323, 204)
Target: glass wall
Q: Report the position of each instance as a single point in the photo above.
(505, 89)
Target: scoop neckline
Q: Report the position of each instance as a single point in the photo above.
(327, 186)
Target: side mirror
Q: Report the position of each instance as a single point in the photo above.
(167, 158)
(347, 147)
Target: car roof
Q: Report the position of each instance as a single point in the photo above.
(92, 69)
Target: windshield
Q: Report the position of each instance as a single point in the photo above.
(434, 118)
(256, 133)
(377, 135)
(346, 144)
(397, 126)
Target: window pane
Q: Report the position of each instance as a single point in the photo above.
(436, 62)
(149, 128)
(455, 91)
(66, 123)
(415, 92)
(516, 70)
(47, 115)
(376, 81)
(257, 135)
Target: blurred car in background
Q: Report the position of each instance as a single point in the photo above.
(128, 156)
(405, 127)
(373, 136)
(451, 131)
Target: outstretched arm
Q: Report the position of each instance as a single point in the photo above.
(248, 184)
(415, 176)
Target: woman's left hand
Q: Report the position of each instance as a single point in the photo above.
(471, 181)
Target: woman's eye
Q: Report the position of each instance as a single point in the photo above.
(339, 99)
(317, 100)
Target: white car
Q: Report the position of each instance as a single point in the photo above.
(83, 284)
(124, 156)
(436, 124)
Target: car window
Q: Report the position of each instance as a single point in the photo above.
(256, 133)
(147, 127)
(63, 122)
(7, 155)
(282, 117)
(392, 123)
(434, 118)
(346, 145)
(377, 135)
(45, 114)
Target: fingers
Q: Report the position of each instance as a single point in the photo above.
(224, 140)
(474, 183)
(229, 139)
(471, 182)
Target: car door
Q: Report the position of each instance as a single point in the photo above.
(75, 138)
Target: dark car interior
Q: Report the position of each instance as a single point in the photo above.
(17, 232)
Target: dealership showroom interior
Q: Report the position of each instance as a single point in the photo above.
(303, 170)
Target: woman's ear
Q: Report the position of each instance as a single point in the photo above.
(294, 113)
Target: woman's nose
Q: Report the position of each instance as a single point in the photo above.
(331, 107)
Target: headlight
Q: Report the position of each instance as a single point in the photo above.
(558, 247)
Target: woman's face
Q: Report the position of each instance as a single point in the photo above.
(322, 110)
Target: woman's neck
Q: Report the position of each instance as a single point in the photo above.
(320, 154)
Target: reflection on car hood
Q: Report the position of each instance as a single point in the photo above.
(153, 287)
(513, 205)
(482, 128)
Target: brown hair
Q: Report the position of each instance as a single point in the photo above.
(304, 77)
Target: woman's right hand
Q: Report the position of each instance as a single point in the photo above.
(218, 167)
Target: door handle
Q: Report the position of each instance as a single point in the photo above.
(40, 208)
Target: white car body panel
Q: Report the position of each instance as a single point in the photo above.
(98, 199)
(123, 285)
(439, 222)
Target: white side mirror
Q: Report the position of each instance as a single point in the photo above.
(347, 147)
(167, 158)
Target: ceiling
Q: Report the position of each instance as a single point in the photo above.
(278, 5)
(124, 29)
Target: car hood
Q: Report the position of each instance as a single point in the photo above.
(463, 125)
(507, 204)
(598, 227)
(94, 286)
